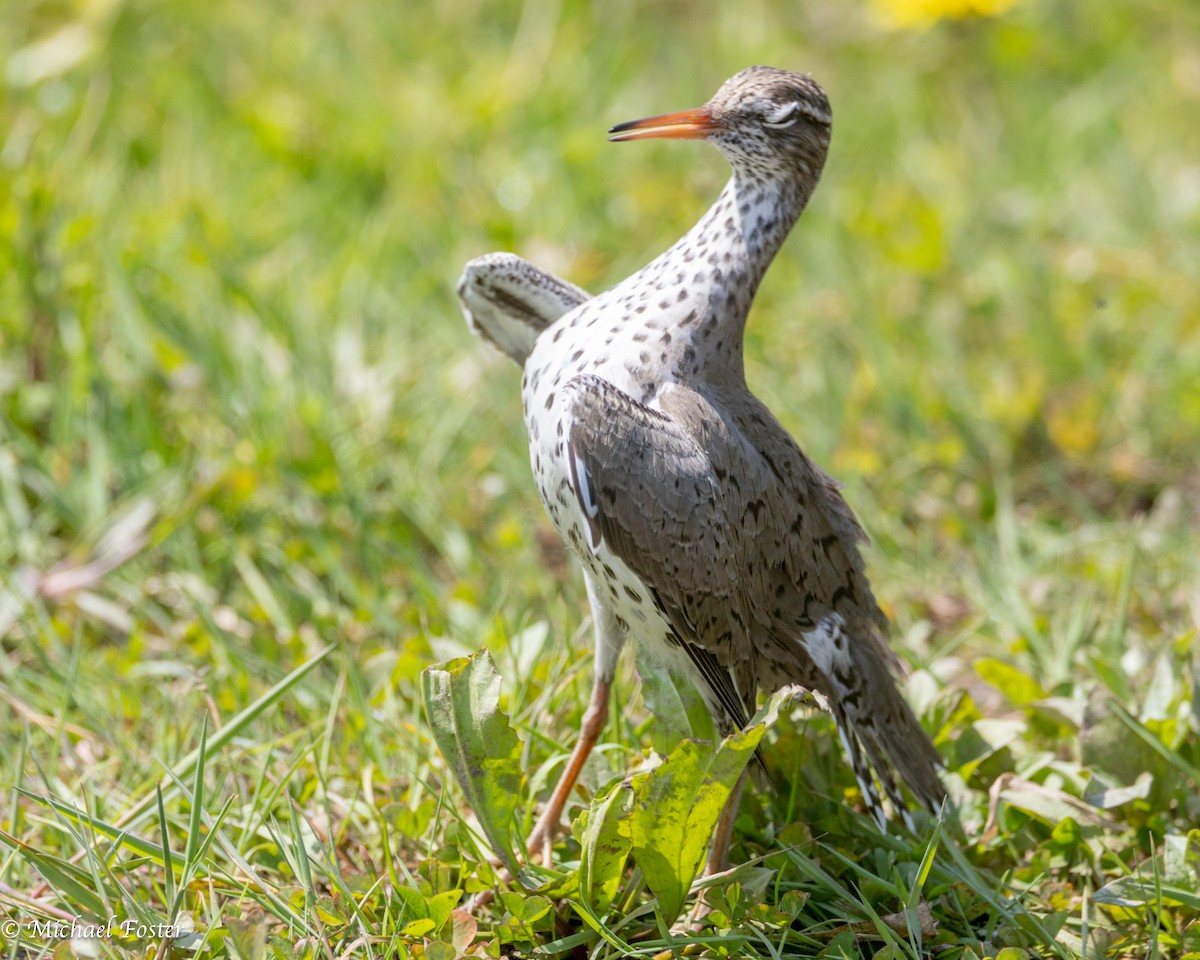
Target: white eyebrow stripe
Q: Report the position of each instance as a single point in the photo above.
(784, 113)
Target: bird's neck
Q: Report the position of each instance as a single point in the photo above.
(722, 260)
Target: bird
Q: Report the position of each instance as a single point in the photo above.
(705, 534)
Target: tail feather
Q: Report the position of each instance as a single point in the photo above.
(884, 741)
(884, 773)
(860, 765)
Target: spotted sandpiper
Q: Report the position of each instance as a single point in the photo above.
(705, 533)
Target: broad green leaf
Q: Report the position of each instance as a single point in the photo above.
(1181, 860)
(548, 883)
(1018, 688)
(418, 928)
(535, 908)
(1175, 876)
(675, 809)
(1135, 892)
(525, 908)
(1048, 804)
(462, 704)
(1105, 797)
(1159, 702)
(676, 806)
(792, 902)
(328, 911)
(1191, 855)
(415, 906)
(677, 711)
(440, 950)
(605, 835)
(441, 905)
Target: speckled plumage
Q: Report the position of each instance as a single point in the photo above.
(704, 532)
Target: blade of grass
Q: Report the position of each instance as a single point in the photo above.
(192, 842)
(300, 856)
(63, 876)
(235, 727)
(1172, 757)
(167, 857)
(143, 848)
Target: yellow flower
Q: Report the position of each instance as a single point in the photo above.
(1073, 421)
(918, 14)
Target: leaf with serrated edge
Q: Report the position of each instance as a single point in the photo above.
(606, 840)
(462, 704)
(677, 805)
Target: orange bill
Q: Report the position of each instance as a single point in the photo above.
(685, 125)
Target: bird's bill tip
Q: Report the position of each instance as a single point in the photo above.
(685, 125)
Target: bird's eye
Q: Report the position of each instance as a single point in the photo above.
(781, 116)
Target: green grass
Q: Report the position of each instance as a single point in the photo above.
(255, 475)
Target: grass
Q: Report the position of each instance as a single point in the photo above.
(255, 475)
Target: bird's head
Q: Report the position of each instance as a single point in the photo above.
(765, 121)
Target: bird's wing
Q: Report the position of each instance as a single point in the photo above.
(678, 496)
(821, 546)
(737, 545)
(849, 646)
(750, 554)
(508, 301)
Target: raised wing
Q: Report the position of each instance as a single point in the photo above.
(508, 301)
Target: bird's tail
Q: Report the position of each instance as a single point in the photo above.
(886, 745)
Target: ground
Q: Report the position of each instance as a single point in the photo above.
(256, 475)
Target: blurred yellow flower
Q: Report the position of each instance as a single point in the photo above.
(1073, 420)
(917, 14)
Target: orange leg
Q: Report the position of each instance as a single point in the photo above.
(589, 733)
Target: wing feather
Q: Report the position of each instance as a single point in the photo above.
(750, 553)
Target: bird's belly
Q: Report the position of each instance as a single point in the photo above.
(547, 418)
(554, 362)
(630, 602)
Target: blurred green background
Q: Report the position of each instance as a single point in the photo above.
(241, 416)
(230, 234)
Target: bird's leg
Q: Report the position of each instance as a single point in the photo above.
(610, 637)
(589, 732)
